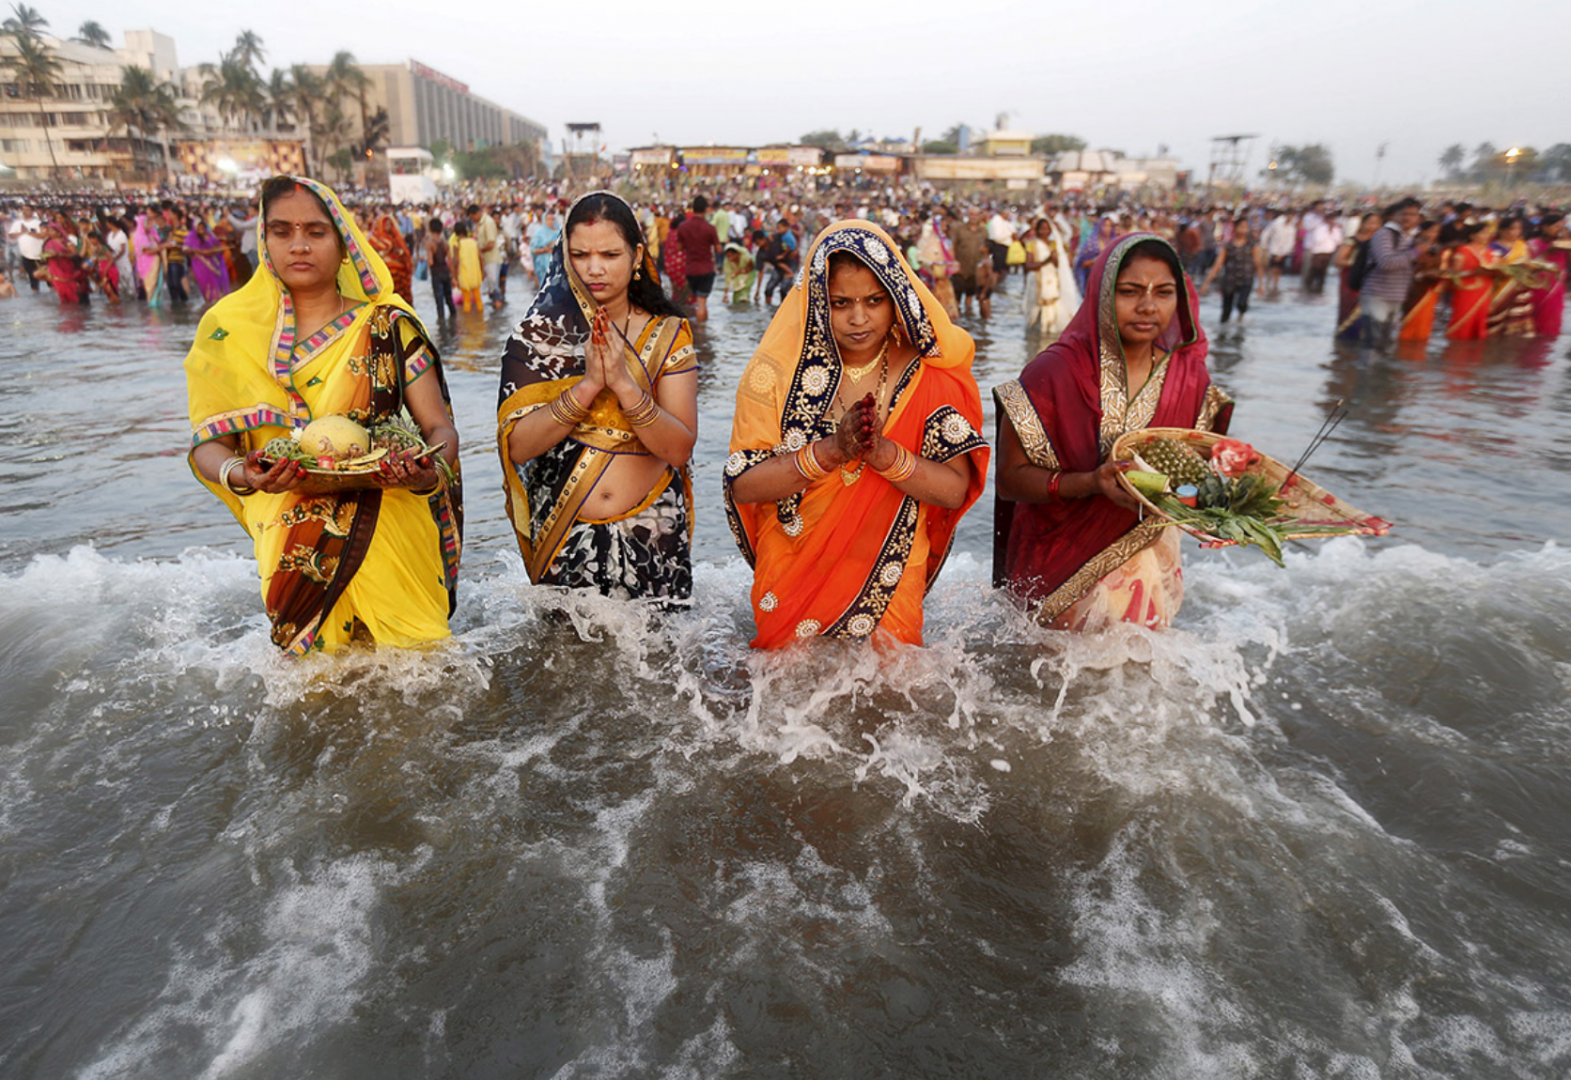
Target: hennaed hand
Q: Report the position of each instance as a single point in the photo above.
(402, 469)
(282, 475)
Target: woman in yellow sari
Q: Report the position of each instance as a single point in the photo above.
(316, 332)
(854, 445)
(598, 414)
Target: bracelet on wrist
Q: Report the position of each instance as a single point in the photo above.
(229, 485)
(902, 468)
(646, 412)
(1053, 480)
(808, 465)
(566, 410)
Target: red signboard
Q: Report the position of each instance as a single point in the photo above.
(436, 76)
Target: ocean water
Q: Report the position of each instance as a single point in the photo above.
(1320, 828)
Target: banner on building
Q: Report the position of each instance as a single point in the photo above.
(714, 155)
(246, 161)
(796, 156)
(868, 162)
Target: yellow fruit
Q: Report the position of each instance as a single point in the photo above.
(336, 437)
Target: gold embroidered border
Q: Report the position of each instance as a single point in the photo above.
(1012, 398)
(1215, 401)
(1100, 565)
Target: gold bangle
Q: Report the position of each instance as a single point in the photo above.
(566, 410)
(223, 478)
(646, 412)
(808, 465)
(903, 469)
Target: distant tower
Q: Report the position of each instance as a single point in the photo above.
(1229, 155)
(581, 148)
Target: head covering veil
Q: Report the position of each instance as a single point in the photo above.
(785, 401)
(549, 343)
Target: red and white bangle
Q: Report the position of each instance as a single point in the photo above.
(1052, 484)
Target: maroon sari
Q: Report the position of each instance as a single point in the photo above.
(1067, 408)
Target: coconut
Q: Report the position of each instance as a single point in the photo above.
(336, 437)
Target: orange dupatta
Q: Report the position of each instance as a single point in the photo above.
(844, 560)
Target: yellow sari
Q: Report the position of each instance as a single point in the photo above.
(382, 560)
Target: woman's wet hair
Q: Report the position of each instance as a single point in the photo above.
(642, 291)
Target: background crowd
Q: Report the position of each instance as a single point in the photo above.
(1404, 270)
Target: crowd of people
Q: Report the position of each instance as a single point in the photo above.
(856, 442)
(1488, 272)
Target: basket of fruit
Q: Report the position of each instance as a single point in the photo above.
(1226, 492)
(340, 454)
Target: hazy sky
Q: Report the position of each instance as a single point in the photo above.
(1132, 75)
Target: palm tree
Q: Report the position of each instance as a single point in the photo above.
(145, 106)
(248, 50)
(278, 99)
(336, 130)
(344, 78)
(92, 33)
(1451, 160)
(233, 89)
(25, 20)
(37, 76)
(308, 92)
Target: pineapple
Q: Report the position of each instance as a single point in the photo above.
(1179, 462)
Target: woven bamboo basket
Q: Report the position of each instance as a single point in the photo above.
(1303, 500)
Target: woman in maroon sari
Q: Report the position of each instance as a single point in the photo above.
(1068, 541)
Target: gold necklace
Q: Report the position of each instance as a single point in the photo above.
(857, 374)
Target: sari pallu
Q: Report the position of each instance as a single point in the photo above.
(149, 260)
(546, 495)
(62, 270)
(1067, 409)
(205, 254)
(845, 560)
(1549, 303)
(385, 560)
(1471, 293)
(389, 243)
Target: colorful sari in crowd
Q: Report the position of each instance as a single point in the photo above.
(1472, 289)
(1549, 302)
(382, 559)
(389, 243)
(1423, 297)
(644, 552)
(545, 237)
(61, 266)
(1050, 294)
(1511, 306)
(1086, 564)
(205, 256)
(845, 559)
(149, 259)
(740, 273)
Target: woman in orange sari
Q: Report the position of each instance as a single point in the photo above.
(854, 447)
(1472, 286)
(389, 243)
